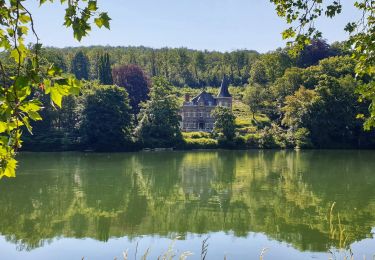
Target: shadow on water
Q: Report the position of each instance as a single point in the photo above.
(285, 195)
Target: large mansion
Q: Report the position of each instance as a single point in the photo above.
(196, 113)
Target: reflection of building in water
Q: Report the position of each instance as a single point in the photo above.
(198, 173)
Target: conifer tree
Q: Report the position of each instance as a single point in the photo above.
(105, 73)
(80, 66)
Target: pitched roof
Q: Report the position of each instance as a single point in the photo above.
(205, 97)
(224, 92)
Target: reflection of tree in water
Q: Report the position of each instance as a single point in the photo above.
(79, 225)
(286, 195)
(103, 228)
(136, 208)
(32, 205)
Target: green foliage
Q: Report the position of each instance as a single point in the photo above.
(225, 122)
(305, 107)
(199, 143)
(51, 140)
(298, 107)
(80, 66)
(58, 131)
(196, 135)
(78, 17)
(181, 66)
(291, 106)
(288, 83)
(367, 93)
(105, 72)
(254, 97)
(302, 138)
(106, 123)
(275, 64)
(303, 14)
(337, 111)
(24, 79)
(159, 125)
(238, 142)
(328, 112)
(258, 73)
(199, 63)
(266, 140)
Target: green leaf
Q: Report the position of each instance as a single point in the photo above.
(3, 127)
(56, 96)
(33, 105)
(92, 6)
(102, 20)
(288, 33)
(21, 82)
(26, 122)
(10, 168)
(24, 18)
(98, 22)
(34, 115)
(54, 70)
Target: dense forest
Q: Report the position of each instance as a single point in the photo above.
(131, 98)
(193, 68)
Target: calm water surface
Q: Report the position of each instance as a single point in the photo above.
(74, 205)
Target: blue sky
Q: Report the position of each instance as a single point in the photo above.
(222, 25)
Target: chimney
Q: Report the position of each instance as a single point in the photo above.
(187, 98)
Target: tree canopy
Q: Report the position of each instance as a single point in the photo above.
(135, 81)
(302, 16)
(25, 77)
(107, 122)
(224, 122)
(160, 122)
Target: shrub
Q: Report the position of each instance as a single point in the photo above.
(201, 143)
(196, 135)
(53, 140)
(240, 141)
(302, 138)
(266, 139)
(252, 140)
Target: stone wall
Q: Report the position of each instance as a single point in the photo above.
(197, 118)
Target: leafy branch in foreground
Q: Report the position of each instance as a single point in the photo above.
(23, 84)
(301, 15)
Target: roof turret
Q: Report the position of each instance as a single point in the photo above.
(224, 92)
